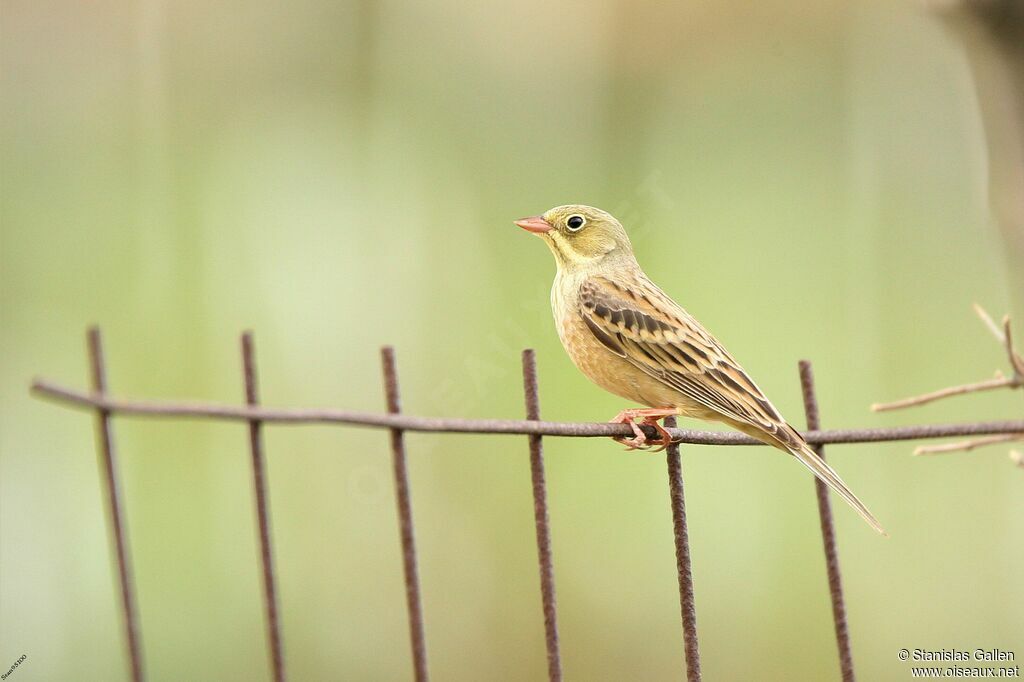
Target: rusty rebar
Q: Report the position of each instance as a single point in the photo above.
(196, 410)
(540, 518)
(259, 481)
(118, 526)
(404, 502)
(687, 604)
(828, 531)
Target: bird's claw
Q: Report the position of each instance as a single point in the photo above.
(640, 441)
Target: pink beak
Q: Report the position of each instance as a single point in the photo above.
(535, 224)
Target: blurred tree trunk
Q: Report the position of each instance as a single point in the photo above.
(992, 32)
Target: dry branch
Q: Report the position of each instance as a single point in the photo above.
(1004, 336)
(1000, 381)
(967, 445)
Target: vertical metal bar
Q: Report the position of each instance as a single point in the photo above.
(259, 481)
(828, 531)
(412, 582)
(540, 517)
(113, 489)
(687, 605)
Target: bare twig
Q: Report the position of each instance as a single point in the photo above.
(968, 445)
(1016, 361)
(1004, 335)
(1000, 381)
(989, 322)
(197, 410)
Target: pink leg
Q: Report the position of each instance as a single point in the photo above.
(651, 417)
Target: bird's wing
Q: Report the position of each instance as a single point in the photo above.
(636, 320)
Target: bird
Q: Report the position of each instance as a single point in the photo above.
(631, 339)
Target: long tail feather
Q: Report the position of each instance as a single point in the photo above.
(827, 474)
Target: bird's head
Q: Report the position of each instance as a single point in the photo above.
(580, 236)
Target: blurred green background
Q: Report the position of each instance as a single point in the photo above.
(809, 179)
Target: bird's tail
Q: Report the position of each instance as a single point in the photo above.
(785, 437)
(810, 459)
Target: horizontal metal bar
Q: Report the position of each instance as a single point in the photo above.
(197, 410)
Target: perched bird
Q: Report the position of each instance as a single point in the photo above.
(631, 339)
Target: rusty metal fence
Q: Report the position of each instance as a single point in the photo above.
(105, 407)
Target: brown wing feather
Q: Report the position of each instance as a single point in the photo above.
(640, 323)
(636, 320)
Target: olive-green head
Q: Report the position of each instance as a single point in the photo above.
(580, 236)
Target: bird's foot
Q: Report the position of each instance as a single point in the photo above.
(651, 417)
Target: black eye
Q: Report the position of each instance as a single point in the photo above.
(575, 222)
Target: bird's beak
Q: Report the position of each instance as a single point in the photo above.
(535, 224)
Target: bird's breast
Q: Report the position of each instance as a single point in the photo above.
(608, 370)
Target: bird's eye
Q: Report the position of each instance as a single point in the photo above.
(575, 222)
